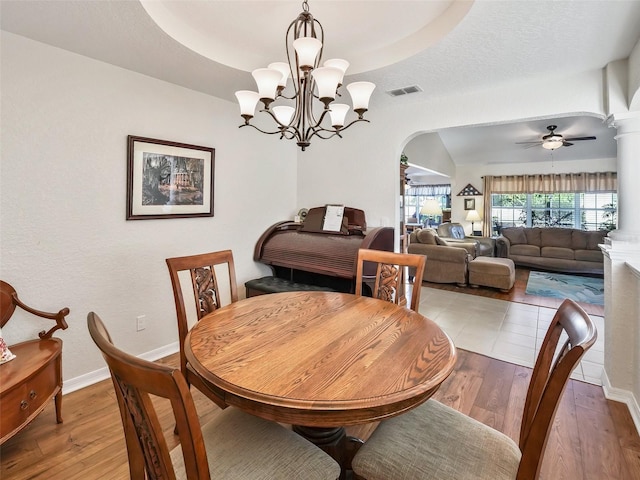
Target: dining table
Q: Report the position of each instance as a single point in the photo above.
(321, 361)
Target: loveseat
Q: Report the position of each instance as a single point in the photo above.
(446, 263)
(560, 249)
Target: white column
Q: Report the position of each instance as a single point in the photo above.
(628, 138)
(621, 378)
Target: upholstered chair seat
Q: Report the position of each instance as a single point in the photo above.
(488, 454)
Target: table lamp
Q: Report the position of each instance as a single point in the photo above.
(473, 216)
(431, 207)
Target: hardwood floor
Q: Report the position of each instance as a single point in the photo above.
(516, 294)
(593, 438)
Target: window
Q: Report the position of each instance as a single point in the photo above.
(585, 211)
(413, 204)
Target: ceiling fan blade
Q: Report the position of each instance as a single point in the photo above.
(579, 138)
(525, 143)
(533, 145)
(566, 144)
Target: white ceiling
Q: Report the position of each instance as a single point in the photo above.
(446, 47)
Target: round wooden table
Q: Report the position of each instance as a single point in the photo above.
(320, 360)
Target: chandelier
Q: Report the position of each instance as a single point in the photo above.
(315, 88)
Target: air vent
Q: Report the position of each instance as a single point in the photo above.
(404, 91)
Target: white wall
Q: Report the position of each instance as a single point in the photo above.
(64, 237)
(362, 167)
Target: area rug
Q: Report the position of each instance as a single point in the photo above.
(556, 285)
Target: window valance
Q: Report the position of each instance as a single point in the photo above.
(429, 190)
(552, 183)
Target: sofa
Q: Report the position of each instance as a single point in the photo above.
(454, 233)
(565, 250)
(446, 263)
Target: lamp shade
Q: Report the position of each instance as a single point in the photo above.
(473, 216)
(431, 207)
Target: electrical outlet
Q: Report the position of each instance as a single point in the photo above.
(141, 322)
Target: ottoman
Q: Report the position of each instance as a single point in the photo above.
(492, 272)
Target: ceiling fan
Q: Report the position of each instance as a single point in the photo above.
(554, 140)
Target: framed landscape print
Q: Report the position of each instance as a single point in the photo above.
(168, 179)
(469, 203)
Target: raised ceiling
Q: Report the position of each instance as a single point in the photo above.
(493, 43)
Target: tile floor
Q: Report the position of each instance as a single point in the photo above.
(507, 331)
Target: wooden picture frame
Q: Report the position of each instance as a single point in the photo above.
(469, 203)
(168, 179)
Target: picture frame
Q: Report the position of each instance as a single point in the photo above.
(168, 179)
(469, 203)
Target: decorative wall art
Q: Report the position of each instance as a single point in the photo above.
(469, 191)
(469, 203)
(168, 179)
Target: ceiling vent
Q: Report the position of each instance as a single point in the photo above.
(404, 91)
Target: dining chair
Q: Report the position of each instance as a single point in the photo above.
(231, 446)
(434, 441)
(205, 298)
(388, 283)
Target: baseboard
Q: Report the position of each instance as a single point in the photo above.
(96, 376)
(622, 396)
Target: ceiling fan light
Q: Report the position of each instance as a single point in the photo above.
(553, 142)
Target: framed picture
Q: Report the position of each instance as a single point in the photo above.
(168, 179)
(469, 203)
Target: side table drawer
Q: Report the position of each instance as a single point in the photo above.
(42, 386)
(15, 409)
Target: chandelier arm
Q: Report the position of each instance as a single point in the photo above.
(262, 131)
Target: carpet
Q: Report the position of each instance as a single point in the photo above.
(556, 285)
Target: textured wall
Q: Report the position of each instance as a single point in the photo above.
(64, 237)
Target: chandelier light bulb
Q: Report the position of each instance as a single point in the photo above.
(360, 94)
(307, 49)
(338, 63)
(327, 80)
(248, 101)
(284, 69)
(267, 80)
(338, 112)
(284, 114)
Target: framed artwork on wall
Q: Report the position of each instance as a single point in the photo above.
(168, 179)
(469, 203)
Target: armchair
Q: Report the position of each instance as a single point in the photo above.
(446, 263)
(454, 233)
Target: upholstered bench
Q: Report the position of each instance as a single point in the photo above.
(492, 272)
(261, 286)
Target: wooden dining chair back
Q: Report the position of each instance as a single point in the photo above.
(389, 280)
(135, 380)
(436, 438)
(199, 295)
(232, 445)
(555, 363)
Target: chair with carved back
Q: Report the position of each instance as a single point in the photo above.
(232, 445)
(205, 299)
(434, 441)
(32, 374)
(389, 280)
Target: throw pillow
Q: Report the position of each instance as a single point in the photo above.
(5, 353)
(427, 236)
